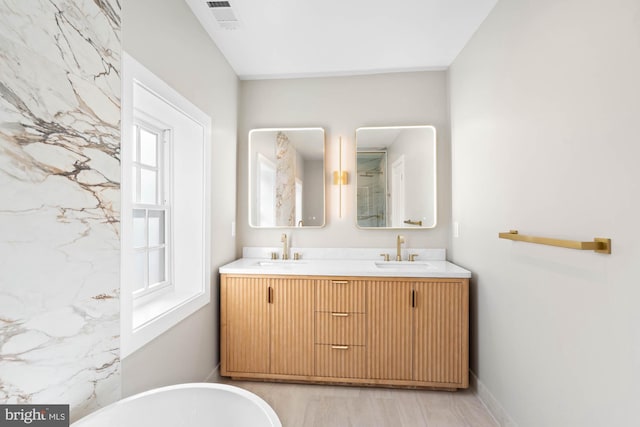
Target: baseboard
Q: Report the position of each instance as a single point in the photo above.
(490, 402)
(213, 375)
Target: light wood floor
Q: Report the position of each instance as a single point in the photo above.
(344, 406)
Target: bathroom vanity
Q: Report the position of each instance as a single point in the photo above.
(350, 319)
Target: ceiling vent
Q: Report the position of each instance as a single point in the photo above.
(224, 14)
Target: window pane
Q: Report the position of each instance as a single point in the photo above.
(134, 184)
(156, 228)
(148, 147)
(156, 266)
(148, 184)
(140, 266)
(134, 146)
(139, 226)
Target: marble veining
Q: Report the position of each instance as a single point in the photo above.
(285, 181)
(59, 202)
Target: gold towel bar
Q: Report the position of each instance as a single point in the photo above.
(599, 244)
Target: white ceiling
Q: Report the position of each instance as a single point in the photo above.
(300, 38)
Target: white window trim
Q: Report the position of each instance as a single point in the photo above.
(148, 317)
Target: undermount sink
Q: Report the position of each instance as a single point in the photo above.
(403, 265)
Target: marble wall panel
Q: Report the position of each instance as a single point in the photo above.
(59, 202)
(285, 181)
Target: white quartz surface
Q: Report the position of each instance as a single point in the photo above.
(346, 266)
(346, 253)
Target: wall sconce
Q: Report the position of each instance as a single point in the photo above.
(340, 178)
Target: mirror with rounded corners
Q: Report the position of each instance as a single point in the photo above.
(396, 177)
(286, 177)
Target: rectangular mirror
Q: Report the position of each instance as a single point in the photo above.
(286, 177)
(396, 177)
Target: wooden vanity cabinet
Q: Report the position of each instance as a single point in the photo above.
(362, 330)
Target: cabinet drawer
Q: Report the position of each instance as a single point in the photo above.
(346, 361)
(340, 295)
(340, 328)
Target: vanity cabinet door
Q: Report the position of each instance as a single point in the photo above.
(292, 346)
(389, 332)
(440, 349)
(267, 325)
(245, 324)
(418, 331)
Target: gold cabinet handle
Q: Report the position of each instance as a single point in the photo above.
(339, 282)
(336, 314)
(340, 347)
(270, 295)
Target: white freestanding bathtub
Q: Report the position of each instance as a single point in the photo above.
(186, 405)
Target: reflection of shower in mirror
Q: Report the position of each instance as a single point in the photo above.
(372, 189)
(396, 177)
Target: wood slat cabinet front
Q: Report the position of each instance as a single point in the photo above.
(340, 328)
(362, 330)
(389, 330)
(266, 326)
(418, 331)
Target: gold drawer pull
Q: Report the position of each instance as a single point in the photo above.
(340, 347)
(340, 282)
(335, 314)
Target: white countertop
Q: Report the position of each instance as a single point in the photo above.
(347, 266)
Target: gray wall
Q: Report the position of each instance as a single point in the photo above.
(544, 112)
(180, 52)
(341, 105)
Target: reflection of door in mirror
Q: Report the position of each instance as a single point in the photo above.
(372, 189)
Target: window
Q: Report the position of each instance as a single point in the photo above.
(165, 214)
(150, 203)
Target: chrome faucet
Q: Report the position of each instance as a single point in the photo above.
(285, 247)
(399, 242)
